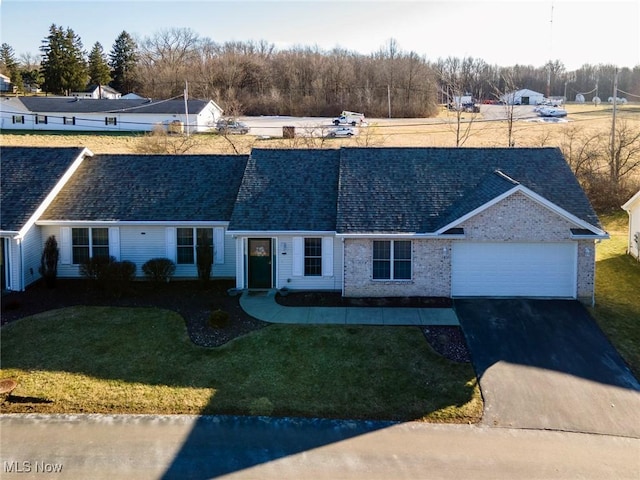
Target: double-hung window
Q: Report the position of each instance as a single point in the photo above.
(41, 119)
(89, 243)
(17, 119)
(69, 120)
(186, 247)
(392, 260)
(313, 257)
(110, 121)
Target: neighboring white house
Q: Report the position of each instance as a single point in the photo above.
(131, 96)
(104, 115)
(5, 83)
(523, 97)
(98, 91)
(633, 209)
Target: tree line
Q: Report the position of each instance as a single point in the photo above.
(255, 78)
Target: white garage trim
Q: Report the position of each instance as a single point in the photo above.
(509, 269)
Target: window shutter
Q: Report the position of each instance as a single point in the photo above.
(65, 245)
(298, 256)
(327, 256)
(114, 242)
(218, 245)
(171, 243)
(106, 120)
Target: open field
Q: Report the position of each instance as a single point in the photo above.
(487, 130)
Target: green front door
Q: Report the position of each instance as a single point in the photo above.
(259, 263)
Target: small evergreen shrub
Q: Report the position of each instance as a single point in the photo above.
(219, 319)
(49, 261)
(159, 269)
(96, 268)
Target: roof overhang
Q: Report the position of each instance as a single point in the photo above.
(272, 233)
(596, 232)
(154, 223)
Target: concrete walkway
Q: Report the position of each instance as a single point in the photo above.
(263, 306)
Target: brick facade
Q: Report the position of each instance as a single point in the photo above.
(514, 219)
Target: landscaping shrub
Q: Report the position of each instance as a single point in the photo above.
(96, 268)
(109, 274)
(219, 319)
(159, 269)
(204, 254)
(49, 261)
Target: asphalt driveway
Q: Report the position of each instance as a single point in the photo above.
(545, 364)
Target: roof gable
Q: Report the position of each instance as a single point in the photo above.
(151, 188)
(29, 177)
(633, 201)
(422, 190)
(288, 190)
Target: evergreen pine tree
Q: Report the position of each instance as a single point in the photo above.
(98, 69)
(63, 64)
(122, 60)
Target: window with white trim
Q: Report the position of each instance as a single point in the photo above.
(110, 121)
(392, 260)
(89, 243)
(313, 257)
(186, 246)
(69, 120)
(41, 119)
(17, 119)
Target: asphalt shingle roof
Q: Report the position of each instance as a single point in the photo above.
(288, 190)
(27, 176)
(420, 190)
(119, 105)
(151, 188)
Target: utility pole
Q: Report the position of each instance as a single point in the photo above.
(186, 105)
(613, 124)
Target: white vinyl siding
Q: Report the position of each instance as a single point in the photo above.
(140, 243)
(32, 246)
(290, 264)
(514, 269)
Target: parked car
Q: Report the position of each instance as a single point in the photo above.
(341, 132)
(231, 126)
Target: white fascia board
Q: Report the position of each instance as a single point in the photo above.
(627, 206)
(536, 198)
(605, 236)
(388, 235)
(54, 191)
(68, 223)
(9, 233)
(273, 233)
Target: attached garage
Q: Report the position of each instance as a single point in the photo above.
(514, 269)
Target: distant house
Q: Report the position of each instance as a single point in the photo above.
(104, 115)
(132, 96)
(523, 97)
(5, 84)
(366, 222)
(98, 91)
(633, 209)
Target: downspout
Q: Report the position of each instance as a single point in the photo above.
(343, 267)
(22, 277)
(593, 288)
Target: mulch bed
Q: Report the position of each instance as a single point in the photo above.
(195, 301)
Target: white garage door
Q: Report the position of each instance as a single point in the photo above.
(514, 270)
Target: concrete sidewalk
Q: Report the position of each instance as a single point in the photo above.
(263, 306)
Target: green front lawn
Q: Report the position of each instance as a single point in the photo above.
(140, 360)
(617, 309)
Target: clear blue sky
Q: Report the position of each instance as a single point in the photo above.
(500, 32)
